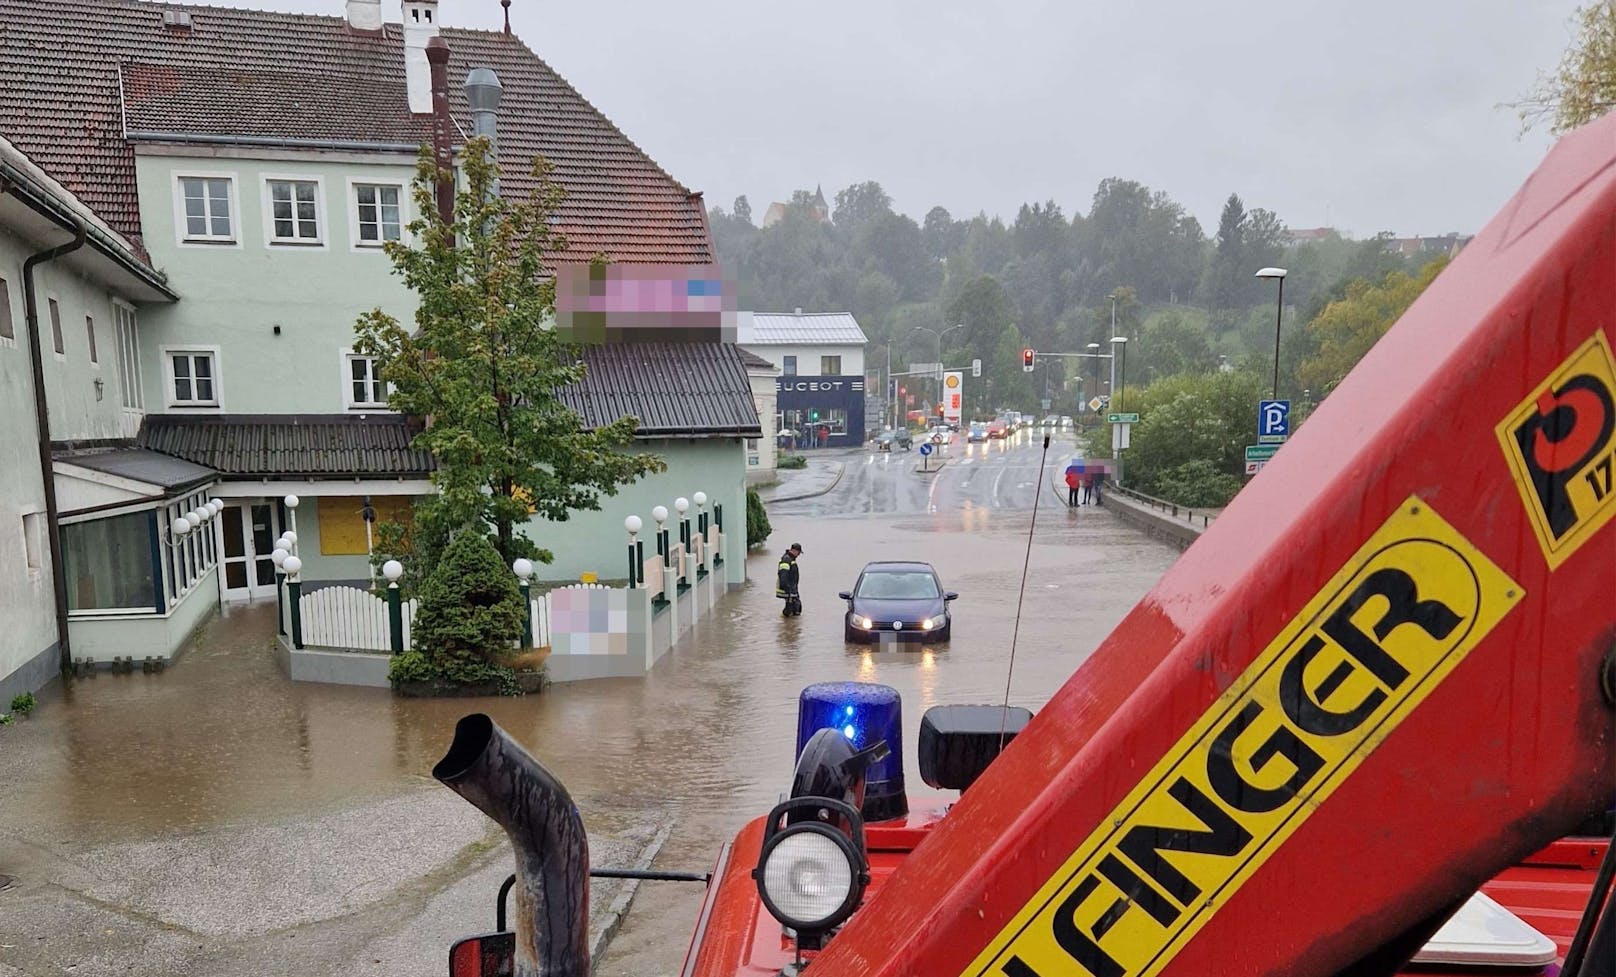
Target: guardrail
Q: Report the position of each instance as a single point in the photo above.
(1188, 514)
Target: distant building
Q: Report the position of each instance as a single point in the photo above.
(819, 211)
(820, 389)
(1448, 245)
(1309, 235)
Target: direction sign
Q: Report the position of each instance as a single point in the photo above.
(1273, 421)
(1128, 418)
(976, 368)
(1045, 403)
(925, 449)
(1260, 452)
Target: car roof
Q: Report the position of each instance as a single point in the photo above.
(883, 566)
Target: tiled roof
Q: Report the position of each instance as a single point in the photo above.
(678, 390)
(72, 70)
(313, 445)
(140, 465)
(799, 329)
(752, 361)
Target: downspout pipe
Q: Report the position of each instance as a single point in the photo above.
(47, 466)
(502, 780)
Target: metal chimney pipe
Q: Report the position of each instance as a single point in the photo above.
(483, 92)
(489, 769)
(437, 56)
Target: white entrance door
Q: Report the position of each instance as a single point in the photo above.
(247, 534)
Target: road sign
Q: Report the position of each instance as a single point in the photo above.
(1128, 418)
(953, 395)
(1273, 421)
(1045, 403)
(1099, 403)
(1260, 452)
(976, 368)
(925, 449)
(1253, 467)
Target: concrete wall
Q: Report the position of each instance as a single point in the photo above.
(596, 541)
(237, 294)
(28, 639)
(764, 398)
(142, 635)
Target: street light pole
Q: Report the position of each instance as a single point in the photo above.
(1112, 389)
(1279, 314)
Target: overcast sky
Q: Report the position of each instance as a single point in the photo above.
(1369, 115)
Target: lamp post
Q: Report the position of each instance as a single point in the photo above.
(1111, 390)
(681, 505)
(1279, 313)
(660, 514)
(1119, 349)
(294, 595)
(939, 337)
(278, 557)
(523, 568)
(636, 551)
(291, 517)
(392, 570)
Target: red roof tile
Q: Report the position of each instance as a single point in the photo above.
(75, 73)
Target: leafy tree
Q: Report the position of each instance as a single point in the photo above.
(757, 520)
(482, 362)
(1191, 435)
(743, 209)
(1347, 328)
(860, 204)
(985, 309)
(939, 233)
(1583, 86)
(1170, 345)
(1011, 388)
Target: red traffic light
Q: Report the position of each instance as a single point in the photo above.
(1027, 358)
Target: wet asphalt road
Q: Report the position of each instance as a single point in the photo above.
(218, 819)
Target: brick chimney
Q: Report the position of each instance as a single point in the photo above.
(420, 26)
(365, 15)
(437, 53)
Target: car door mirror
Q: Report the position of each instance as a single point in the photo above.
(846, 595)
(950, 595)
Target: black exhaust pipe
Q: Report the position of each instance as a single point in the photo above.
(502, 780)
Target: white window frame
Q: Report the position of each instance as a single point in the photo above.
(35, 544)
(348, 356)
(404, 201)
(94, 352)
(322, 225)
(10, 279)
(168, 353)
(131, 393)
(53, 325)
(186, 240)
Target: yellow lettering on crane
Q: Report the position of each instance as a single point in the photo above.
(1363, 654)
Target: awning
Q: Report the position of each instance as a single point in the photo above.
(99, 478)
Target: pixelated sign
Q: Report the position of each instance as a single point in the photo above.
(644, 303)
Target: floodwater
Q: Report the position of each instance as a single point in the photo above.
(223, 738)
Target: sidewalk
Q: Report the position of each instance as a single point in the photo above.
(821, 475)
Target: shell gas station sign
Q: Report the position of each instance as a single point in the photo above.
(953, 395)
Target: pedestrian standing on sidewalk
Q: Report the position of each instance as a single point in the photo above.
(1073, 479)
(1088, 488)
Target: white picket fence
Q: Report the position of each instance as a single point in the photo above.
(350, 618)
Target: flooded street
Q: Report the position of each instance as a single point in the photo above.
(251, 823)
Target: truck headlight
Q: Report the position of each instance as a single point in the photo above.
(809, 877)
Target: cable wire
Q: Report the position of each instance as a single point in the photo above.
(1004, 713)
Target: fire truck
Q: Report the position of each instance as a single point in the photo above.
(1364, 726)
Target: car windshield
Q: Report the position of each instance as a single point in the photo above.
(897, 585)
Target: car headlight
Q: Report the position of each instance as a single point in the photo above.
(862, 622)
(927, 624)
(808, 877)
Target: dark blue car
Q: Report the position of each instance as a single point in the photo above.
(898, 600)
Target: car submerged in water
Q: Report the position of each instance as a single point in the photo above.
(898, 600)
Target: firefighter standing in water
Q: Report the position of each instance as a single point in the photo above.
(786, 585)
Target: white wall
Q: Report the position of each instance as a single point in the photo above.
(76, 412)
(808, 357)
(764, 397)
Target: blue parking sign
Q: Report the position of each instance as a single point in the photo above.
(1273, 421)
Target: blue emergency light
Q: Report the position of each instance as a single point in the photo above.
(865, 713)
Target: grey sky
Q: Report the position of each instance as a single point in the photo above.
(1369, 115)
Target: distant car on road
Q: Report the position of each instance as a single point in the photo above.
(898, 600)
(1066, 422)
(998, 429)
(892, 440)
(978, 432)
(1050, 423)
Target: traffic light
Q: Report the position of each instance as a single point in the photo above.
(813, 415)
(1027, 357)
(903, 391)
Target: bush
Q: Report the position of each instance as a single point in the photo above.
(1198, 484)
(470, 614)
(792, 462)
(757, 520)
(23, 704)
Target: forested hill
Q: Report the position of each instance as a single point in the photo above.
(1188, 300)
